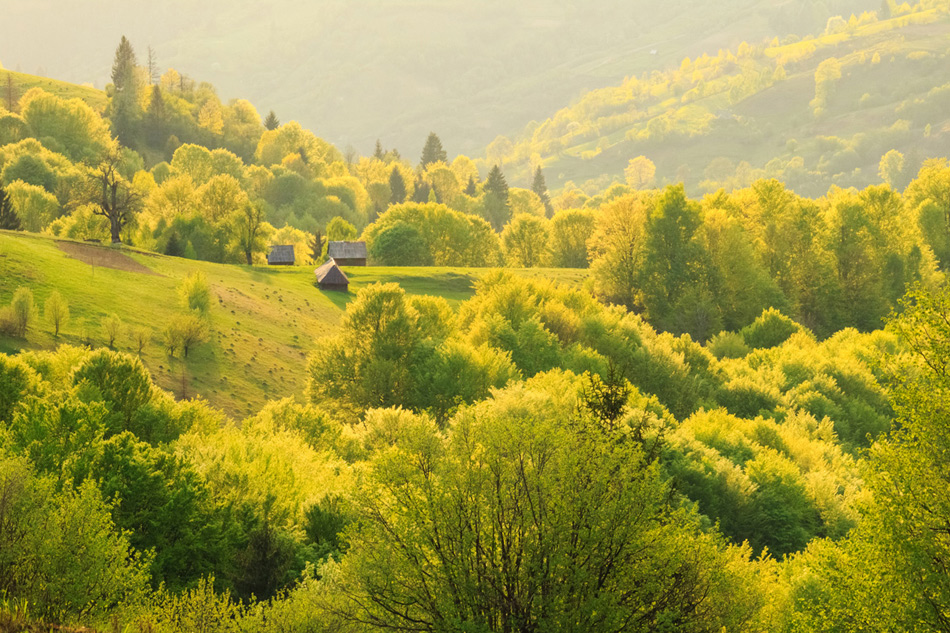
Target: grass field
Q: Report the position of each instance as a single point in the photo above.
(264, 321)
(22, 82)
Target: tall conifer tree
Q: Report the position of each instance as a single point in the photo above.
(422, 192)
(433, 151)
(397, 187)
(125, 109)
(540, 187)
(497, 209)
(156, 119)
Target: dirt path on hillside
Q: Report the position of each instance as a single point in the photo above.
(104, 256)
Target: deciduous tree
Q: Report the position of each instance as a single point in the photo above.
(115, 198)
(56, 312)
(249, 229)
(9, 220)
(640, 172)
(529, 518)
(525, 241)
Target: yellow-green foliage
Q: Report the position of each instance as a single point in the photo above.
(264, 464)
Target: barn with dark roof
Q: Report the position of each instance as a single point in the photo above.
(330, 277)
(347, 253)
(281, 255)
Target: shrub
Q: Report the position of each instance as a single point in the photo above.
(195, 294)
(728, 345)
(771, 329)
(17, 319)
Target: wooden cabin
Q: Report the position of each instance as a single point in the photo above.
(281, 255)
(330, 277)
(347, 253)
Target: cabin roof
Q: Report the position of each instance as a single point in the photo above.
(330, 273)
(346, 250)
(281, 254)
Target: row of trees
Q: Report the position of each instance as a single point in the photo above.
(204, 196)
(700, 267)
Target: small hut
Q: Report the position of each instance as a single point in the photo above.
(347, 253)
(281, 255)
(330, 277)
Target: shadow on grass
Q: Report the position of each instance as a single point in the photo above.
(9, 346)
(337, 298)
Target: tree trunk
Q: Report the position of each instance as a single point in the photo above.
(114, 226)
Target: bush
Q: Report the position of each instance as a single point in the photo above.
(16, 319)
(119, 381)
(771, 329)
(728, 345)
(16, 380)
(195, 294)
(61, 551)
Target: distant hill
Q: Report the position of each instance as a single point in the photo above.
(14, 85)
(812, 112)
(357, 70)
(264, 321)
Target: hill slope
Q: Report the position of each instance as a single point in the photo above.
(264, 321)
(357, 70)
(812, 112)
(13, 85)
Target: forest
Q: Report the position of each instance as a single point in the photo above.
(647, 411)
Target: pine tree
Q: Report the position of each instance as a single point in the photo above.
(123, 67)
(174, 246)
(379, 154)
(496, 184)
(156, 119)
(271, 122)
(497, 210)
(316, 247)
(433, 152)
(9, 220)
(540, 187)
(397, 187)
(152, 66)
(125, 102)
(471, 189)
(422, 192)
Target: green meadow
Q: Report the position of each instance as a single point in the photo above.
(263, 324)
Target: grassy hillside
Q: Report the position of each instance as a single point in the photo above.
(21, 82)
(264, 320)
(755, 111)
